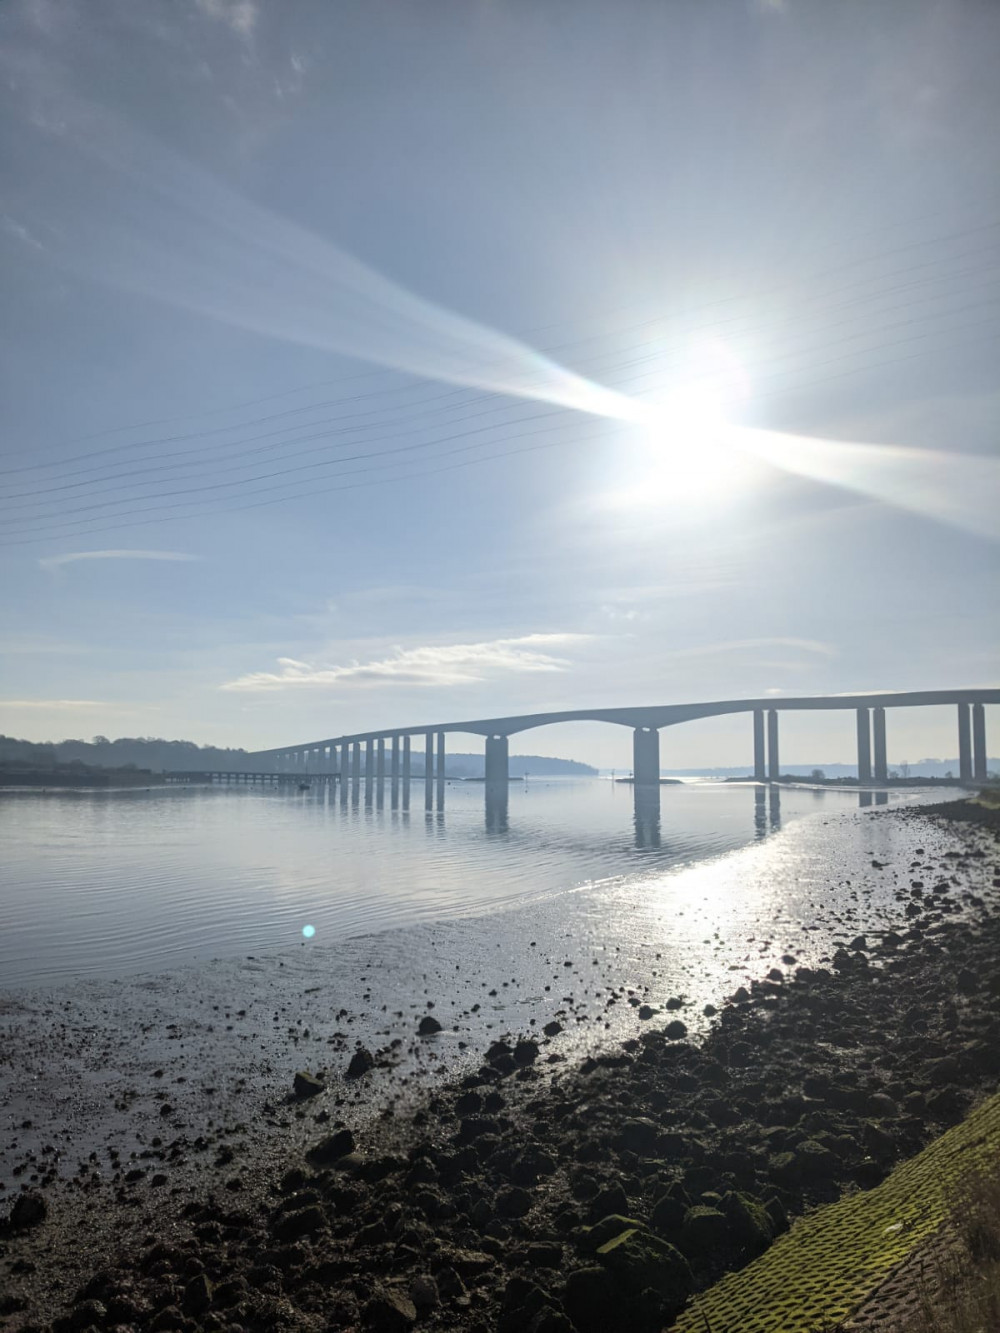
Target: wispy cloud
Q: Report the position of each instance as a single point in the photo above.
(52, 703)
(439, 664)
(745, 645)
(240, 15)
(54, 561)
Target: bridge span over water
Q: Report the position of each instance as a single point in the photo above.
(342, 755)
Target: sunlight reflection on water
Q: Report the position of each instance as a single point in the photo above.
(104, 884)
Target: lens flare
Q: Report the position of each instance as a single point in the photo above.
(308, 931)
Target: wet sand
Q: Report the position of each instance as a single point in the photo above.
(129, 1104)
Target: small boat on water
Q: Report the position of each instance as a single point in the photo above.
(303, 786)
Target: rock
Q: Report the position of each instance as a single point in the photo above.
(640, 1261)
(29, 1210)
(526, 1052)
(307, 1085)
(301, 1222)
(424, 1293)
(198, 1294)
(815, 1162)
(639, 1136)
(332, 1148)
(704, 1231)
(592, 1238)
(552, 1029)
(428, 1026)
(676, 1030)
(646, 1011)
(749, 1224)
(667, 1216)
(514, 1202)
(389, 1312)
(362, 1062)
(592, 1301)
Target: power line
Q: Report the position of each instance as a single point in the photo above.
(751, 294)
(80, 527)
(240, 446)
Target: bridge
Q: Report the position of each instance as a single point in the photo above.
(342, 755)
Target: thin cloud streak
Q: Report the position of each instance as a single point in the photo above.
(433, 665)
(52, 703)
(56, 561)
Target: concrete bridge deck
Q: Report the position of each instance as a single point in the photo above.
(342, 754)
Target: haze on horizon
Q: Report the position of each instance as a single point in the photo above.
(366, 367)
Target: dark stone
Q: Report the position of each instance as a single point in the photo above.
(302, 1222)
(526, 1052)
(198, 1294)
(514, 1202)
(591, 1300)
(704, 1231)
(428, 1026)
(552, 1029)
(389, 1312)
(307, 1085)
(332, 1148)
(29, 1210)
(639, 1135)
(362, 1061)
(668, 1215)
(676, 1030)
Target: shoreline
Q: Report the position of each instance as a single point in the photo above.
(616, 1083)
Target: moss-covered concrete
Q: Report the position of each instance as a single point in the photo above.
(820, 1272)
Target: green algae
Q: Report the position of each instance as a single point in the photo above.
(821, 1271)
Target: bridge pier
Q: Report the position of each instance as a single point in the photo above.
(394, 772)
(380, 773)
(406, 772)
(646, 757)
(864, 746)
(881, 762)
(369, 770)
(759, 758)
(773, 759)
(497, 785)
(497, 765)
(964, 744)
(440, 771)
(355, 772)
(429, 771)
(979, 742)
(345, 771)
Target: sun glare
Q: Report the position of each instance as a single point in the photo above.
(689, 434)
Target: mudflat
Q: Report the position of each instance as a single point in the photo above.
(447, 1184)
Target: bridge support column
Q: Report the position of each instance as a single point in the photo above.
(406, 772)
(979, 742)
(881, 761)
(394, 772)
(964, 744)
(497, 770)
(497, 774)
(380, 772)
(429, 771)
(759, 758)
(646, 757)
(864, 746)
(345, 771)
(369, 770)
(440, 771)
(355, 772)
(773, 758)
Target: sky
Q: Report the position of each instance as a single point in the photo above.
(373, 365)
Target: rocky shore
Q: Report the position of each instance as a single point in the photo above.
(534, 1193)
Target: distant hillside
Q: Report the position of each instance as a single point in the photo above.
(185, 756)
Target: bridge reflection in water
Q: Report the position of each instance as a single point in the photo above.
(340, 759)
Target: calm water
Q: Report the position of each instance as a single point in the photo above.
(107, 884)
